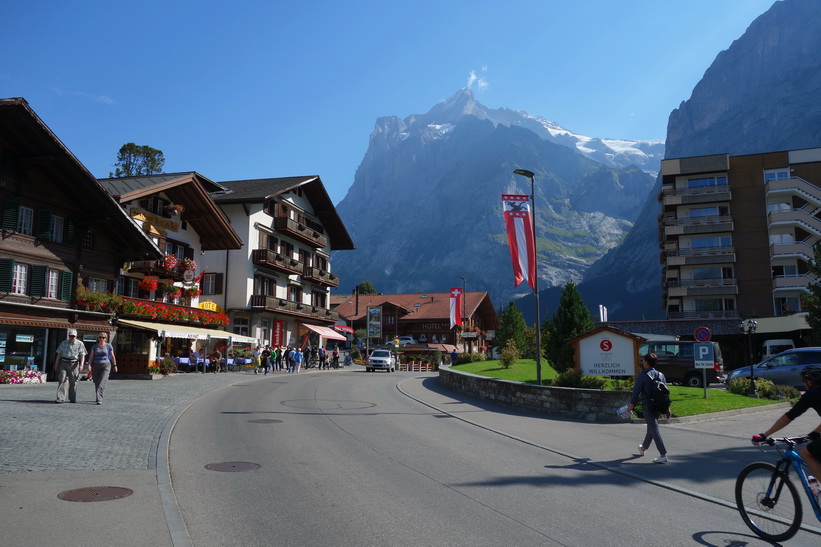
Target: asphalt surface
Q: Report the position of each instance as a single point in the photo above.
(51, 450)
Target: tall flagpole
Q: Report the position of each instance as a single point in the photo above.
(532, 175)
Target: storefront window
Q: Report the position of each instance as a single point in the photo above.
(22, 348)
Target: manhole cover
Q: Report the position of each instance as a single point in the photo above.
(233, 466)
(265, 421)
(95, 493)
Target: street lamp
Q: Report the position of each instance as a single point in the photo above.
(748, 326)
(531, 175)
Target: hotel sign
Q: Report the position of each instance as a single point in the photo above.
(154, 220)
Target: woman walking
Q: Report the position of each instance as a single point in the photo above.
(102, 360)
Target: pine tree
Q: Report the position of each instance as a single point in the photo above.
(133, 160)
(511, 327)
(571, 319)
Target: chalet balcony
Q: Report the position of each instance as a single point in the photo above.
(288, 307)
(301, 232)
(155, 268)
(276, 261)
(320, 276)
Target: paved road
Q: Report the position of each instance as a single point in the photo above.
(48, 449)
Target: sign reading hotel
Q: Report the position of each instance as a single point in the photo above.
(607, 354)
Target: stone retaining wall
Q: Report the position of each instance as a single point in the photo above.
(589, 405)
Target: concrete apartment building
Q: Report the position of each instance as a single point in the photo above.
(276, 288)
(736, 235)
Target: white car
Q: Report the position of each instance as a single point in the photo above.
(407, 340)
(381, 359)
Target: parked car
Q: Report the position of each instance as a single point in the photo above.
(677, 362)
(407, 340)
(381, 359)
(783, 369)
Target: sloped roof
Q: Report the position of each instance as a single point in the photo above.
(35, 144)
(189, 189)
(260, 190)
(434, 306)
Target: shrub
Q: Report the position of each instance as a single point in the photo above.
(510, 354)
(624, 385)
(765, 388)
(568, 378)
(593, 382)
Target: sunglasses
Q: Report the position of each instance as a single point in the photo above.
(101, 338)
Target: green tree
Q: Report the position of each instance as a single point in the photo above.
(133, 160)
(510, 354)
(366, 287)
(571, 319)
(512, 326)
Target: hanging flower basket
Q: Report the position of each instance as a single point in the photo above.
(191, 292)
(170, 262)
(149, 283)
(175, 208)
(170, 289)
(188, 264)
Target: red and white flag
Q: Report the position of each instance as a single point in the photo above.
(455, 307)
(521, 239)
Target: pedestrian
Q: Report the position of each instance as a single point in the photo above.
(811, 453)
(335, 356)
(453, 356)
(265, 361)
(289, 356)
(255, 359)
(298, 358)
(323, 362)
(71, 356)
(102, 360)
(305, 357)
(216, 361)
(643, 388)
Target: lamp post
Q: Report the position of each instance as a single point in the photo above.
(748, 327)
(531, 175)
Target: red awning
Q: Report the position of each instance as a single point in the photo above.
(343, 328)
(325, 332)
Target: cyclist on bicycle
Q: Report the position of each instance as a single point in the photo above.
(811, 453)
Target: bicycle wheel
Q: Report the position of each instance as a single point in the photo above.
(774, 518)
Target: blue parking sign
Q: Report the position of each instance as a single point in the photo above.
(703, 353)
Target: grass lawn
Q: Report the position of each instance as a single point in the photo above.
(686, 401)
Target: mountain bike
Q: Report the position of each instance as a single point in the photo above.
(766, 497)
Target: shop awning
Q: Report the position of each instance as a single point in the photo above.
(171, 330)
(325, 332)
(343, 328)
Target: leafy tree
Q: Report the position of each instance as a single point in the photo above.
(571, 319)
(811, 300)
(366, 287)
(512, 326)
(510, 354)
(133, 160)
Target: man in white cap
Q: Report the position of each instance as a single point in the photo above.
(71, 356)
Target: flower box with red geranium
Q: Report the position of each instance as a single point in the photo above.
(188, 264)
(191, 292)
(169, 262)
(149, 283)
(171, 290)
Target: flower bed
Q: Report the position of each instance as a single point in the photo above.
(21, 377)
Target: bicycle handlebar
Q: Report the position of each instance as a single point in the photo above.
(791, 441)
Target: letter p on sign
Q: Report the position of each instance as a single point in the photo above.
(704, 355)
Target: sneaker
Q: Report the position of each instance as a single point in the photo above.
(642, 450)
(660, 459)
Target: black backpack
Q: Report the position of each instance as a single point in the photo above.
(659, 398)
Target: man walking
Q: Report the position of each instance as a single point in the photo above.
(643, 388)
(71, 356)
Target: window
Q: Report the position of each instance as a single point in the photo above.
(211, 283)
(88, 240)
(96, 284)
(241, 326)
(265, 329)
(707, 242)
(127, 286)
(701, 212)
(53, 284)
(776, 174)
(25, 221)
(56, 229)
(295, 294)
(20, 279)
(707, 273)
(706, 182)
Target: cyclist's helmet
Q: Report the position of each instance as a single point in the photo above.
(812, 373)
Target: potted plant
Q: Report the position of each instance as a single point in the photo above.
(171, 290)
(175, 208)
(148, 283)
(188, 264)
(169, 262)
(191, 292)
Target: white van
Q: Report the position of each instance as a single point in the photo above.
(772, 347)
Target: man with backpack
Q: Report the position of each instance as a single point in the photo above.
(651, 386)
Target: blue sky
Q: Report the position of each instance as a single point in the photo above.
(256, 89)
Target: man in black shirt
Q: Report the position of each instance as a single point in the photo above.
(811, 453)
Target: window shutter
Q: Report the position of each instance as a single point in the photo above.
(43, 230)
(66, 285)
(218, 281)
(189, 253)
(71, 233)
(11, 210)
(6, 274)
(39, 280)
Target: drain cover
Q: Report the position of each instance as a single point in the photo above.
(233, 466)
(95, 493)
(265, 421)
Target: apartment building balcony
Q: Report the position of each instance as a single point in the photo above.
(701, 287)
(792, 282)
(804, 217)
(300, 231)
(277, 261)
(698, 225)
(713, 314)
(801, 250)
(707, 255)
(320, 276)
(288, 307)
(155, 268)
(794, 186)
(686, 196)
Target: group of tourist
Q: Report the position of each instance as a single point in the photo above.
(291, 358)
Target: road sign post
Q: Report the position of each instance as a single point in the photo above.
(704, 359)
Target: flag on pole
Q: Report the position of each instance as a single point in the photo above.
(455, 307)
(521, 239)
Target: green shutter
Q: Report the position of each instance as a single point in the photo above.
(71, 233)
(39, 280)
(6, 274)
(11, 210)
(43, 230)
(66, 284)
